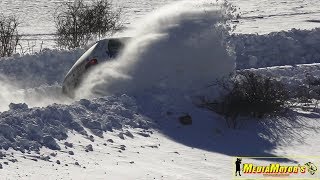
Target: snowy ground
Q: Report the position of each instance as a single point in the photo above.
(267, 16)
(169, 150)
(149, 142)
(155, 157)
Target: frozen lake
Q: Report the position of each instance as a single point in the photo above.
(261, 16)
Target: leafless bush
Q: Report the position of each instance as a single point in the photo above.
(77, 22)
(29, 47)
(307, 95)
(313, 86)
(249, 95)
(9, 36)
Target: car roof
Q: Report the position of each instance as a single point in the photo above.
(123, 39)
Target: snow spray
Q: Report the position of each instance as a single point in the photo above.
(180, 48)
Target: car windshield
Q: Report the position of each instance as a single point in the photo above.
(114, 46)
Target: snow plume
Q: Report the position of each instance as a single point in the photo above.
(35, 97)
(179, 48)
(35, 79)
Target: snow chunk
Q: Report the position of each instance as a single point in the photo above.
(23, 128)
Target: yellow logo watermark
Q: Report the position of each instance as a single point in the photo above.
(276, 167)
(273, 168)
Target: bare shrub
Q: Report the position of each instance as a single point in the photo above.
(9, 36)
(249, 95)
(313, 86)
(307, 95)
(77, 22)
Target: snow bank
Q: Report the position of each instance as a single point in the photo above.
(292, 76)
(45, 68)
(179, 48)
(277, 48)
(23, 128)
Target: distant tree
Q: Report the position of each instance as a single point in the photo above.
(9, 36)
(77, 22)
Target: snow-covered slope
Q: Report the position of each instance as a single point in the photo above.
(132, 132)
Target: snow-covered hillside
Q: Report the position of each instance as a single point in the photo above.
(137, 117)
